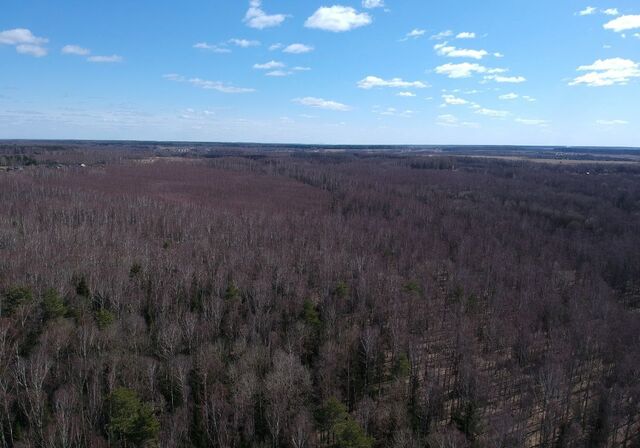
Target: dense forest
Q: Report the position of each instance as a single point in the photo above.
(317, 299)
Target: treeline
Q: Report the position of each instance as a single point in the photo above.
(398, 302)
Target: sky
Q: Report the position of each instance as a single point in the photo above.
(544, 72)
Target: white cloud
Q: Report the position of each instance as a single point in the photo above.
(637, 35)
(498, 55)
(407, 94)
(393, 112)
(369, 4)
(24, 41)
(506, 79)
(20, 36)
(413, 34)
(297, 49)
(623, 23)
(207, 85)
(268, 65)
(212, 47)
(492, 112)
(442, 35)
(608, 72)
(611, 12)
(278, 73)
(373, 81)
(453, 100)
(453, 52)
(244, 43)
(114, 58)
(299, 68)
(257, 18)
(320, 103)
(32, 50)
(275, 47)
(509, 96)
(337, 19)
(589, 10)
(75, 50)
(465, 70)
(532, 122)
(612, 122)
(466, 35)
(449, 120)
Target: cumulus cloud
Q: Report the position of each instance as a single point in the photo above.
(114, 58)
(24, 41)
(321, 103)
(373, 81)
(76, 50)
(407, 94)
(370, 4)
(212, 47)
(623, 23)
(453, 52)
(611, 11)
(589, 10)
(608, 72)
(337, 19)
(257, 18)
(207, 85)
(466, 35)
(509, 96)
(297, 49)
(465, 70)
(453, 100)
(269, 65)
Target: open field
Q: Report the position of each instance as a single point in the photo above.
(238, 295)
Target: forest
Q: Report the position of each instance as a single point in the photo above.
(298, 298)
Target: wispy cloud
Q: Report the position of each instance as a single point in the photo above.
(320, 103)
(612, 122)
(212, 47)
(297, 49)
(492, 113)
(370, 4)
(257, 18)
(114, 58)
(244, 43)
(589, 10)
(406, 94)
(269, 65)
(442, 35)
(337, 19)
(532, 121)
(373, 81)
(466, 35)
(75, 50)
(413, 34)
(208, 85)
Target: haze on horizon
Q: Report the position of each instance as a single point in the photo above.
(351, 72)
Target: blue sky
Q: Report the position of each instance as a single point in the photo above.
(353, 72)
